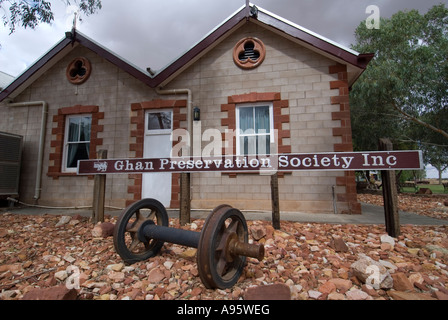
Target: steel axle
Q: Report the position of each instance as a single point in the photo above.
(222, 244)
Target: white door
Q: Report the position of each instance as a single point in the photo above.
(157, 144)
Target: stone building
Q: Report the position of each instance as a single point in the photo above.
(255, 70)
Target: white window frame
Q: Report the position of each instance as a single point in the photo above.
(66, 142)
(161, 131)
(239, 132)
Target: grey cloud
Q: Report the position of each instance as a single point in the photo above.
(154, 32)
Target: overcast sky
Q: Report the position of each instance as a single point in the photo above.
(151, 33)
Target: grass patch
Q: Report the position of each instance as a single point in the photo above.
(435, 188)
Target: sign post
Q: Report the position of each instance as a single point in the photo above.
(275, 201)
(390, 195)
(99, 191)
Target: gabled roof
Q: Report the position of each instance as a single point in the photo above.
(355, 61)
(62, 48)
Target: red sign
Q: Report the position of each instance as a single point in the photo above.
(342, 161)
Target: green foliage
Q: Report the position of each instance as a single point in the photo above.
(406, 81)
(403, 94)
(29, 14)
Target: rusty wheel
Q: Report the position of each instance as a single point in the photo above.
(126, 241)
(217, 267)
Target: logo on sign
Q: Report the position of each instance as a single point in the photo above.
(100, 166)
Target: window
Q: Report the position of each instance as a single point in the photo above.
(76, 141)
(249, 53)
(160, 120)
(78, 71)
(254, 129)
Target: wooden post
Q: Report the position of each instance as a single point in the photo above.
(275, 201)
(184, 212)
(390, 195)
(99, 192)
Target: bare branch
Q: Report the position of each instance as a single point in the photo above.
(420, 122)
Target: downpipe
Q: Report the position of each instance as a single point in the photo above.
(43, 128)
(189, 108)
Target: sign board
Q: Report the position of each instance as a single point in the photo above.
(341, 161)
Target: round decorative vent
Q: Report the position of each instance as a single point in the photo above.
(78, 71)
(249, 53)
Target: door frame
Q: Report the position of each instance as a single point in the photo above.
(137, 134)
(166, 177)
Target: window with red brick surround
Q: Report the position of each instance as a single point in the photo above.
(138, 119)
(279, 118)
(57, 142)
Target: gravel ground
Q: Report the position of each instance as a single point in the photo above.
(316, 261)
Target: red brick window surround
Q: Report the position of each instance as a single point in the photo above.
(138, 132)
(345, 132)
(57, 142)
(255, 97)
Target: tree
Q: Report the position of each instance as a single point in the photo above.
(437, 157)
(29, 14)
(403, 94)
(407, 81)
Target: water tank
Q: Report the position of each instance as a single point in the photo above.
(10, 158)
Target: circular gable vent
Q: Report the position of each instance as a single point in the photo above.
(249, 53)
(78, 71)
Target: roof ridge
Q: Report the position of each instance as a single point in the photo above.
(163, 76)
(302, 28)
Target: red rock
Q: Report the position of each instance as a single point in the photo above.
(338, 244)
(336, 296)
(357, 295)
(3, 232)
(401, 282)
(386, 247)
(313, 294)
(156, 275)
(369, 290)
(288, 258)
(400, 295)
(196, 291)
(342, 285)
(268, 292)
(257, 232)
(327, 287)
(438, 286)
(416, 278)
(103, 230)
(13, 268)
(308, 235)
(424, 191)
(54, 293)
(440, 295)
(421, 286)
(159, 291)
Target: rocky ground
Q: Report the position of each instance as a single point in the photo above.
(315, 261)
(435, 206)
